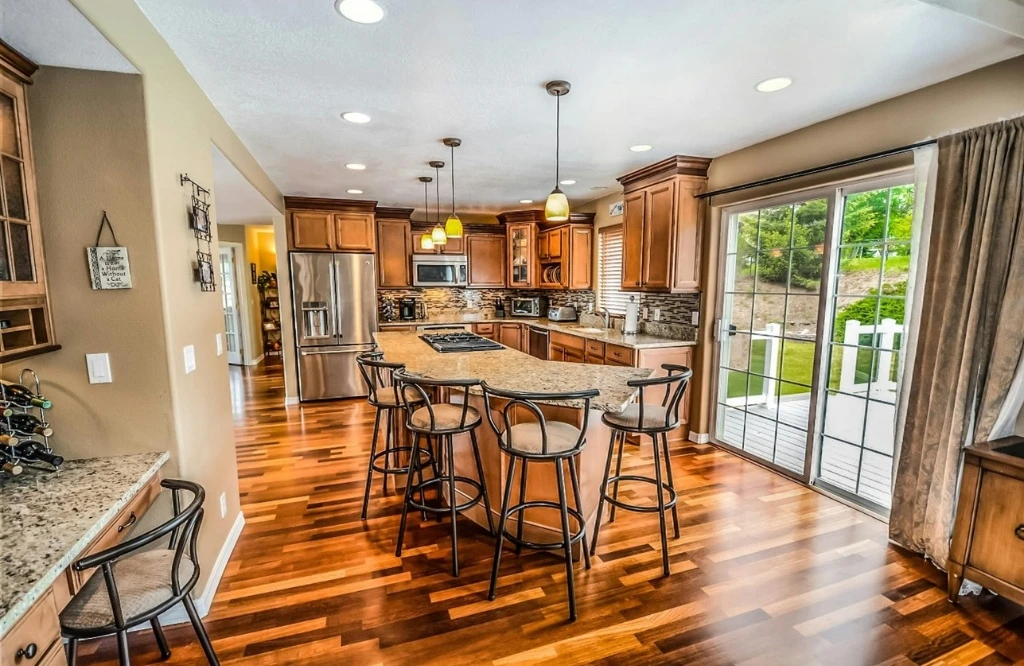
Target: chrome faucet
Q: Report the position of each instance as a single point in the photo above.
(607, 316)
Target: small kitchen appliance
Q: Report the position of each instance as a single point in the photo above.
(440, 270)
(562, 313)
(528, 307)
(407, 309)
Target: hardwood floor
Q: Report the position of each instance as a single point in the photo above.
(764, 572)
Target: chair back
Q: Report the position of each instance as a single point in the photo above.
(183, 529)
(527, 400)
(378, 375)
(416, 394)
(675, 382)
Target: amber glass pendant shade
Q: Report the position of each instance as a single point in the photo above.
(426, 242)
(438, 236)
(453, 226)
(556, 209)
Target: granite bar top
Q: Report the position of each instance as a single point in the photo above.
(512, 369)
(47, 520)
(611, 335)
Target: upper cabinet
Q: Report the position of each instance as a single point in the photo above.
(331, 225)
(542, 256)
(25, 322)
(521, 241)
(486, 257)
(394, 240)
(451, 246)
(662, 225)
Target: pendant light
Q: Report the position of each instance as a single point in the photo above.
(426, 242)
(439, 236)
(453, 225)
(556, 209)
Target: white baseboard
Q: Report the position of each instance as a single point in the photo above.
(291, 400)
(256, 361)
(177, 614)
(700, 437)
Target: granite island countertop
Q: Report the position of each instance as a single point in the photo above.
(514, 370)
(610, 335)
(47, 520)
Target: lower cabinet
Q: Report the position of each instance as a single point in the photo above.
(485, 330)
(35, 639)
(511, 335)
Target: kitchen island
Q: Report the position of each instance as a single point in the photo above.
(47, 521)
(514, 370)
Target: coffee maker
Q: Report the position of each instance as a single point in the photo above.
(407, 309)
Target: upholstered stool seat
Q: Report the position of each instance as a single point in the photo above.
(446, 417)
(629, 418)
(529, 437)
(387, 396)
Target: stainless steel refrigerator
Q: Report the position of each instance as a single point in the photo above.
(335, 315)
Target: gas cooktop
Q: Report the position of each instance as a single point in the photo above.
(459, 341)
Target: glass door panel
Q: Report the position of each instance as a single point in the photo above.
(767, 345)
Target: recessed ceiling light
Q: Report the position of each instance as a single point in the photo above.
(640, 148)
(568, 181)
(355, 191)
(526, 201)
(775, 84)
(360, 11)
(355, 117)
(355, 167)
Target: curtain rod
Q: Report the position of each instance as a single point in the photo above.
(818, 169)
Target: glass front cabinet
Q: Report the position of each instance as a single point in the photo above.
(25, 322)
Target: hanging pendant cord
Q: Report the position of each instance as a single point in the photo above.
(453, 180)
(437, 185)
(558, 132)
(426, 206)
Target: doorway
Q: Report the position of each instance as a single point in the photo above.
(232, 318)
(811, 323)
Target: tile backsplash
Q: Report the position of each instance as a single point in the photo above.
(676, 309)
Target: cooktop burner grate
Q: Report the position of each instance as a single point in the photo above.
(459, 341)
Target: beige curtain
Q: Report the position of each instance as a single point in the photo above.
(971, 332)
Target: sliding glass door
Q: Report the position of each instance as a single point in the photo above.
(810, 331)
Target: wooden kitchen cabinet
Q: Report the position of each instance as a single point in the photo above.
(486, 258)
(565, 257)
(511, 335)
(522, 255)
(485, 330)
(988, 533)
(331, 225)
(394, 241)
(663, 222)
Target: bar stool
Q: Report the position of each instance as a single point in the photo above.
(383, 394)
(654, 420)
(440, 421)
(540, 441)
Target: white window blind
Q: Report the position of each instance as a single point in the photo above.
(609, 271)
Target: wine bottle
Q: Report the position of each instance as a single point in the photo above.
(8, 440)
(35, 451)
(26, 424)
(21, 396)
(12, 468)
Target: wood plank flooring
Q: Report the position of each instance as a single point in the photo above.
(764, 572)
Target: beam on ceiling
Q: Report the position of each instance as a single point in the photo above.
(1005, 15)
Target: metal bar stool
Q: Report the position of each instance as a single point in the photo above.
(137, 585)
(540, 441)
(383, 393)
(654, 420)
(440, 421)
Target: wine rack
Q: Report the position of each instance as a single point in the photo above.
(24, 431)
(270, 306)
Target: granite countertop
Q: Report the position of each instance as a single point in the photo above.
(514, 370)
(47, 520)
(613, 336)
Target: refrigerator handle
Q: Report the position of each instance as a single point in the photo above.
(334, 298)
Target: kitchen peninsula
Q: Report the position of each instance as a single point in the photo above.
(512, 369)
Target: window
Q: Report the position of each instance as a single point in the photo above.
(609, 271)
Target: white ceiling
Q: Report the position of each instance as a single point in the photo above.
(53, 32)
(235, 200)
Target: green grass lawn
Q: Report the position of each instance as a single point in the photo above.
(895, 264)
(797, 365)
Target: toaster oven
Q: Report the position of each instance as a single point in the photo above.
(528, 307)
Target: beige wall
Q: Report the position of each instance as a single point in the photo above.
(977, 98)
(89, 142)
(181, 124)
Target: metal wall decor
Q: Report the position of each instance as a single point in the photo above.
(199, 222)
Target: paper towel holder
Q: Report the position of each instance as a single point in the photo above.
(630, 325)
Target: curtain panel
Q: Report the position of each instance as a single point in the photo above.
(970, 328)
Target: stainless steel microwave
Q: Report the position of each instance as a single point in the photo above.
(440, 270)
(528, 307)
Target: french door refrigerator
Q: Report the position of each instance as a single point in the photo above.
(335, 315)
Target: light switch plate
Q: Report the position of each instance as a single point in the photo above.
(644, 312)
(695, 317)
(190, 359)
(99, 368)
(657, 314)
(223, 504)
(220, 344)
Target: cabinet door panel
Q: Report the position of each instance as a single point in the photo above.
(659, 241)
(393, 258)
(454, 246)
(579, 263)
(634, 211)
(522, 270)
(511, 335)
(555, 243)
(312, 230)
(996, 548)
(486, 254)
(690, 216)
(354, 232)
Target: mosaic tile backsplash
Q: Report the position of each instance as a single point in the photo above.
(676, 309)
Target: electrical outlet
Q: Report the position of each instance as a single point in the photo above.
(644, 311)
(190, 359)
(695, 318)
(657, 314)
(220, 344)
(223, 504)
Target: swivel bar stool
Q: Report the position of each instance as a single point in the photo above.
(440, 421)
(654, 420)
(383, 394)
(541, 441)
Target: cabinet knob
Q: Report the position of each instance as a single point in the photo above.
(29, 651)
(1019, 532)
